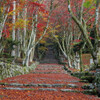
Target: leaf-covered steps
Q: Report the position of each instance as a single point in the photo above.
(41, 85)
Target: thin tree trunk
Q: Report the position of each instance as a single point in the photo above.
(95, 52)
(26, 61)
(69, 62)
(13, 32)
(80, 54)
(3, 22)
(18, 39)
(32, 54)
(77, 59)
(25, 21)
(31, 43)
(98, 33)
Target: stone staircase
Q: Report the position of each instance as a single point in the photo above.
(46, 77)
(47, 81)
(49, 57)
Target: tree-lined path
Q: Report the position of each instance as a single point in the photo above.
(46, 82)
(42, 30)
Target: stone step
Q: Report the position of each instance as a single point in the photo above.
(29, 89)
(50, 66)
(61, 80)
(73, 81)
(47, 89)
(17, 88)
(69, 90)
(40, 89)
(49, 69)
(72, 85)
(88, 86)
(47, 72)
(90, 92)
(41, 85)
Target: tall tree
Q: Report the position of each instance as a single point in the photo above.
(32, 39)
(82, 24)
(13, 30)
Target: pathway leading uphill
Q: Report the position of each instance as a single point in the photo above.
(46, 82)
(49, 57)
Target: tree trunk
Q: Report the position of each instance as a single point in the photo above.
(96, 52)
(18, 47)
(13, 32)
(31, 45)
(26, 61)
(77, 59)
(97, 33)
(25, 21)
(32, 54)
(2, 24)
(18, 39)
(98, 55)
(80, 55)
(69, 62)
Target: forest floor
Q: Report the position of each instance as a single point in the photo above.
(46, 82)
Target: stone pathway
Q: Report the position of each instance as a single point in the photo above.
(47, 82)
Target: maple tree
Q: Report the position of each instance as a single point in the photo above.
(62, 32)
(29, 21)
(82, 24)
(80, 29)
(32, 41)
(24, 19)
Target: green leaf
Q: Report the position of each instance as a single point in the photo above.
(87, 4)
